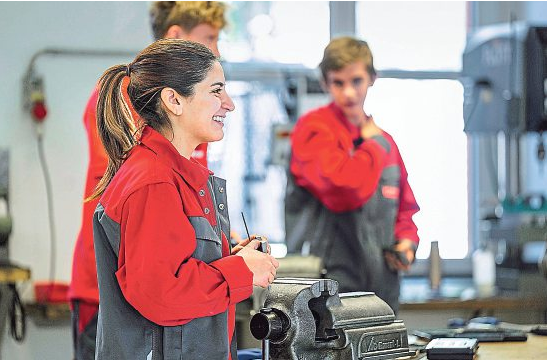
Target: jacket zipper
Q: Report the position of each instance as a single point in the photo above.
(154, 344)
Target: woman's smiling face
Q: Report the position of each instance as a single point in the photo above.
(205, 111)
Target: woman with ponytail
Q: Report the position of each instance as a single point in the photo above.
(168, 279)
(199, 21)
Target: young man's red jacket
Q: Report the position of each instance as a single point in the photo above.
(347, 200)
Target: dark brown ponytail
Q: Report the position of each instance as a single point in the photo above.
(115, 123)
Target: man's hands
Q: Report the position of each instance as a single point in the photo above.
(262, 265)
(401, 256)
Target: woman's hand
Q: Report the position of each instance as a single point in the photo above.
(262, 265)
(242, 243)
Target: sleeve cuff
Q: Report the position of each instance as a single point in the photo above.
(237, 275)
(414, 244)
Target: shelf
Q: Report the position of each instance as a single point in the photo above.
(11, 274)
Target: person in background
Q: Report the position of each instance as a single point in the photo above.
(199, 21)
(168, 277)
(348, 199)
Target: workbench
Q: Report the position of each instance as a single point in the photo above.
(535, 348)
(436, 313)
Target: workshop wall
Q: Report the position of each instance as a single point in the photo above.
(28, 27)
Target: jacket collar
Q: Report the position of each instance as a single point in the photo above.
(191, 171)
(353, 130)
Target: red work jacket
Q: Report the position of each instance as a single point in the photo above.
(347, 200)
(166, 219)
(342, 176)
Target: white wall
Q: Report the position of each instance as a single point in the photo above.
(25, 28)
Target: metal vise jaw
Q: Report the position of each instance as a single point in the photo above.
(306, 319)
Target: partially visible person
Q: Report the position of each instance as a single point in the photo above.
(168, 277)
(199, 21)
(348, 200)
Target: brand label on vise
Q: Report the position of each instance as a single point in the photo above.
(379, 342)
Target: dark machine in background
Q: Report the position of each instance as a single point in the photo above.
(519, 243)
(505, 70)
(505, 100)
(11, 308)
(309, 319)
(5, 217)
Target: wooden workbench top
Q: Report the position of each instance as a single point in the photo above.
(535, 348)
(493, 303)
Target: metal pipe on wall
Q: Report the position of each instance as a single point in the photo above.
(31, 75)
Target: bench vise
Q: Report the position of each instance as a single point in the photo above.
(306, 319)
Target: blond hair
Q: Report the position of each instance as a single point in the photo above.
(344, 51)
(186, 14)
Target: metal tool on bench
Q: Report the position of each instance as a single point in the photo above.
(309, 319)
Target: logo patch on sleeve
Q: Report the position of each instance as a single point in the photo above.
(390, 192)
